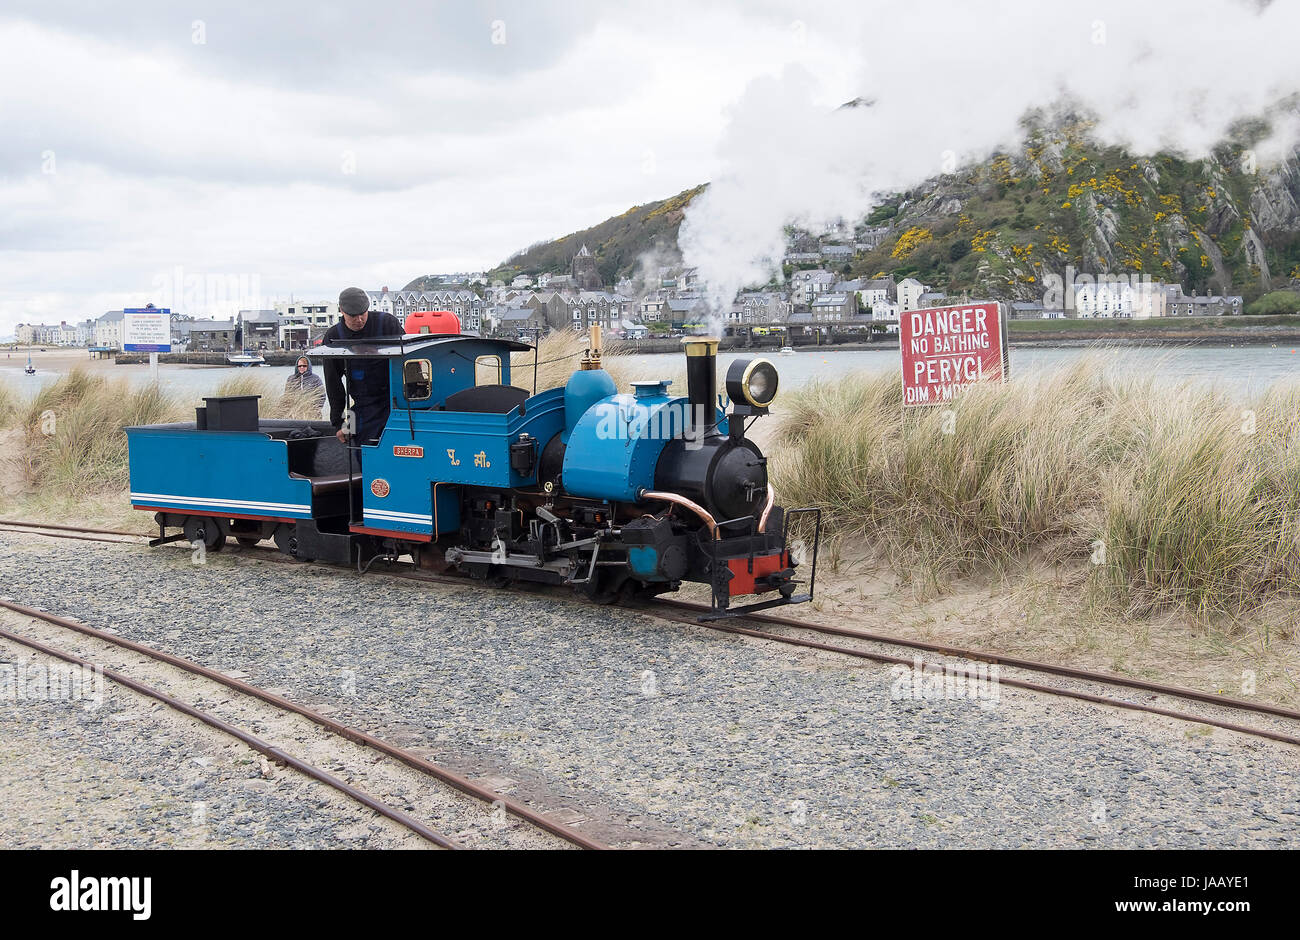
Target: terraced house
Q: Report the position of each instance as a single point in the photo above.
(464, 303)
(834, 307)
(599, 308)
(808, 285)
(1120, 298)
(764, 307)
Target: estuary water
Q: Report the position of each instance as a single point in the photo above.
(1237, 369)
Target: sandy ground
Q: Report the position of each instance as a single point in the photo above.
(55, 358)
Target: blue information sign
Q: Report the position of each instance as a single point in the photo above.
(147, 330)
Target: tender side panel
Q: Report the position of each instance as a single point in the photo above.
(215, 473)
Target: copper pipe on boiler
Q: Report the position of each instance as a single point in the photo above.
(767, 509)
(685, 503)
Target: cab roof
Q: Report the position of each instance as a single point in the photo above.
(397, 347)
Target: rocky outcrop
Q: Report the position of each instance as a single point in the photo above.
(1256, 257)
(1222, 280)
(1275, 201)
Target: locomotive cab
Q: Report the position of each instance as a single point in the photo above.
(452, 424)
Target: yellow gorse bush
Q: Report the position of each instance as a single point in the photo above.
(911, 240)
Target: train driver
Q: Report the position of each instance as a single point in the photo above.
(368, 377)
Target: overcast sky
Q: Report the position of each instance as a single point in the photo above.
(314, 145)
(301, 147)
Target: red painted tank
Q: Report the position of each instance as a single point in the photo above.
(433, 321)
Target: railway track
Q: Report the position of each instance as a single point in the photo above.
(753, 626)
(253, 741)
(426, 767)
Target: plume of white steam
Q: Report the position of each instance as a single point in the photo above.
(650, 266)
(948, 82)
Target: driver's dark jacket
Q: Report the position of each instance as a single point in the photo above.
(368, 377)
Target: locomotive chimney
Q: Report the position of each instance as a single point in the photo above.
(590, 358)
(701, 382)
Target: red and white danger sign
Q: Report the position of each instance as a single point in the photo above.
(947, 348)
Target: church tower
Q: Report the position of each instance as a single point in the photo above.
(583, 269)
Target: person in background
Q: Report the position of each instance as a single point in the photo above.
(368, 378)
(306, 381)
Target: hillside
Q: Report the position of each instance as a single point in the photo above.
(617, 243)
(1217, 224)
(998, 228)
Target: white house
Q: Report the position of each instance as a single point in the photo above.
(1120, 298)
(875, 292)
(909, 293)
(300, 320)
(108, 330)
(651, 307)
(886, 312)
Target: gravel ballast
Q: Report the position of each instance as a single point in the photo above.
(652, 733)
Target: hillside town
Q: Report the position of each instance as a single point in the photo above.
(813, 301)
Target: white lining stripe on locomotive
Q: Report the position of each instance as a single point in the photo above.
(394, 516)
(299, 507)
(224, 503)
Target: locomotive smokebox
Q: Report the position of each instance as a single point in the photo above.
(701, 381)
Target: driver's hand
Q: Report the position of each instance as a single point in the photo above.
(342, 435)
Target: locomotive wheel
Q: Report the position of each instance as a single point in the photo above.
(206, 530)
(248, 541)
(630, 594)
(604, 589)
(286, 539)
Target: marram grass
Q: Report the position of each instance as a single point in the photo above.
(1167, 495)
(9, 406)
(275, 401)
(74, 445)
(560, 353)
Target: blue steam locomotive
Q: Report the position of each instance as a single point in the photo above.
(616, 494)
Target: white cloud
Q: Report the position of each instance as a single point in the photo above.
(158, 162)
(231, 157)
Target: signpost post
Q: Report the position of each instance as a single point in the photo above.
(147, 329)
(946, 349)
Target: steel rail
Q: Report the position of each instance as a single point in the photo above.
(947, 649)
(256, 743)
(1010, 681)
(437, 771)
(23, 523)
(1103, 678)
(67, 535)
